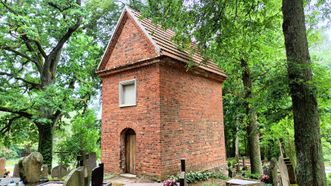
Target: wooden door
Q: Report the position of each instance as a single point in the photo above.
(130, 153)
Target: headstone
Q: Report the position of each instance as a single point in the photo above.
(2, 167)
(92, 161)
(290, 170)
(59, 171)
(31, 168)
(274, 171)
(75, 177)
(240, 182)
(283, 172)
(44, 172)
(231, 173)
(97, 175)
(82, 162)
(16, 172)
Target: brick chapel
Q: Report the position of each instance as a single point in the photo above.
(154, 110)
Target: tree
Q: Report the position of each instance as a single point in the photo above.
(241, 38)
(84, 137)
(310, 168)
(252, 128)
(47, 64)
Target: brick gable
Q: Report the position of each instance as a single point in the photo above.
(128, 45)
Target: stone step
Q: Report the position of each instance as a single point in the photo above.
(127, 175)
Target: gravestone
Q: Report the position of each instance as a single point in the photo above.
(97, 175)
(16, 172)
(59, 171)
(30, 169)
(240, 182)
(92, 161)
(2, 166)
(276, 180)
(81, 176)
(290, 170)
(75, 178)
(44, 172)
(283, 172)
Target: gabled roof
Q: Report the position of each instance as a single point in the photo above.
(161, 39)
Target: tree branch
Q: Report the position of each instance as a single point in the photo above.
(8, 125)
(24, 37)
(8, 8)
(22, 112)
(65, 37)
(17, 53)
(33, 84)
(54, 54)
(40, 48)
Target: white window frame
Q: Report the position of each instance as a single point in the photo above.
(120, 92)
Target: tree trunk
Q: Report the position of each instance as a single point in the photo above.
(45, 145)
(45, 130)
(236, 146)
(252, 128)
(310, 165)
(233, 146)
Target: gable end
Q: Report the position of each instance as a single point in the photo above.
(129, 43)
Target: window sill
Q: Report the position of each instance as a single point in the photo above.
(127, 105)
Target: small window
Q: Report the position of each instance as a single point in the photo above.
(127, 93)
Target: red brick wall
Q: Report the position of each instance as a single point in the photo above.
(129, 45)
(191, 120)
(178, 113)
(144, 119)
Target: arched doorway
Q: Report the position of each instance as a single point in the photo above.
(128, 151)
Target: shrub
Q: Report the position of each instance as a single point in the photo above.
(231, 162)
(248, 174)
